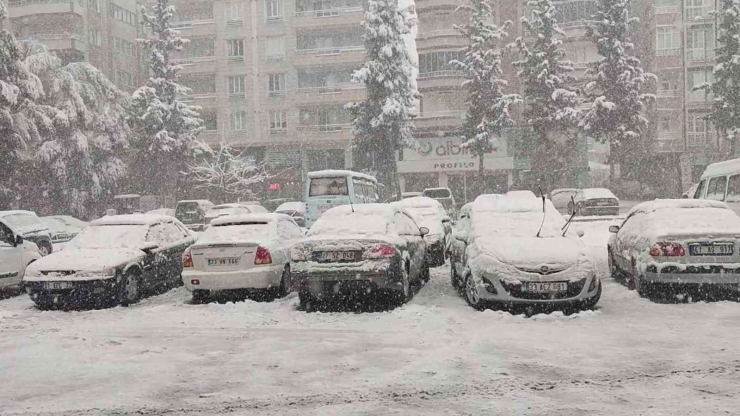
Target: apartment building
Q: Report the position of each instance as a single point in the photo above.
(101, 32)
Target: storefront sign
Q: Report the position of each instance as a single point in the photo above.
(447, 155)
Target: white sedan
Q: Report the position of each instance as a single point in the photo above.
(670, 243)
(242, 253)
(429, 213)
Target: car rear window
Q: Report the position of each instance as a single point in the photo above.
(237, 231)
(716, 189)
(437, 193)
(328, 186)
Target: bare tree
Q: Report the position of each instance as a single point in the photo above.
(227, 170)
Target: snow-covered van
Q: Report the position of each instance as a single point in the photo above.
(721, 182)
(327, 189)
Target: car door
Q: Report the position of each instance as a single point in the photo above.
(10, 257)
(623, 249)
(415, 245)
(176, 241)
(155, 262)
(289, 234)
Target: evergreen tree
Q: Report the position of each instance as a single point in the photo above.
(382, 123)
(726, 86)
(165, 127)
(550, 101)
(488, 106)
(615, 114)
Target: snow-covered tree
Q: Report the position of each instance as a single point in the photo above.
(382, 123)
(227, 171)
(725, 113)
(550, 100)
(488, 107)
(165, 126)
(615, 114)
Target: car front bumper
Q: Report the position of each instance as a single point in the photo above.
(497, 290)
(694, 278)
(72, 293)
(260, 277)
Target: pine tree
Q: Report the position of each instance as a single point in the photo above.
(725, 113)
(488, 106)
(550, 101)
(382, 123)
(165, 126)
(615, 114)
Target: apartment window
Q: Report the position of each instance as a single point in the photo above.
(697, 9)
(668, 39)
(119, 13)
(665, 124)
(276, 85)
(575, 11)
(81, 3)
(199, 83)
(95, 37)
(234, 12)
(199, 47)
(330, 39)
(238, 121)
(125, 79)
(274, 9)
(275, 47)
(697, 77)
(235, 48)
(210, 119)
(236, 85)
(700, 44)
(278, 122)
(123, 47)
(94, 5)
(438, 63)
(193, 12)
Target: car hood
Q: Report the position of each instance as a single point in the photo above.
(82, 261)
(555, 253)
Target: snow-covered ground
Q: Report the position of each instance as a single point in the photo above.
(434, 355)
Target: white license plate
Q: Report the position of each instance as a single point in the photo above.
(711, 250)
(544, 287)
(323, 208)
(336, 255)
(224, 261)
(57, 285)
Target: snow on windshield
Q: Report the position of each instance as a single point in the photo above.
(223, 233)
(111, 236)
(345, 223)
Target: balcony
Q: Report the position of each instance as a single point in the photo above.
(21, 8)
(206, 99)
(331, 56)
(197, 64)
(341, 16)
(195, 27)
(438, 34)
(424, 5)
(669, 145)
(432, 120)
(341, 93)
(62, 41)
(326, 128)
(700, 56)
(667, 9)
(669, 93)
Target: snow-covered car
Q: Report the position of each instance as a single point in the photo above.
(30, 227)
(223, 210)
(192, 213)
(254, 208)
(362, 248)
(15, 256)
(431, 214)
(242, 252)
(295, 210)
(676, 242)
(561, 198)
(509, 261)
(162, 211)
(445, 197)
(63, 228)
(112, 261)
(521, 194)
(594, 201)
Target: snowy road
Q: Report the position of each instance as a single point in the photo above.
(434, 355)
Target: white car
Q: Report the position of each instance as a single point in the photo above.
(521, 194)
(63, 227)
(242, 252)
(15, 256)
(664, 244)
(224, 210)
(510, 262)
(561, 198)
(430, 213)
(295, 210)
(594, 201)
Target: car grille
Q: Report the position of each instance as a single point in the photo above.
(574, 289)
(540, 270)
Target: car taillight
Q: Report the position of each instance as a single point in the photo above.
(667, 249)
(187, 259)
(298, 254)
(262, 256)
(380, 250)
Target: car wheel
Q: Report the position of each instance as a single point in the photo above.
(307, 301)
(44, 248)
(425, 276)
(591, 303)
(472, 295)
(200, 296)
(454, 279)
(128, 291)
(642, 287)
(613, 269)
(285, 288)
(402, 295)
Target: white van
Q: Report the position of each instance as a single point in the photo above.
(16, 254)
(721, 182)
(326, 189)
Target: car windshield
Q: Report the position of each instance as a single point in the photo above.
(23, 222)
(328, 186)
(111, 236)
(437, 193)
(238, 232)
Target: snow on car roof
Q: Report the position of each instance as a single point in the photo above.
(224, 206)
(247, 218)
(419, 202)
(291, 206)
(673, 204)
(199, 201)
(16, 211)
(131, 219)
(722, 168)
(333, 173)
(596, 193)
(682, 217)
(521, 194)
(492, 197)
(509, 204)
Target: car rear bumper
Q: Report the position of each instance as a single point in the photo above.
(260, 277)
(496, 290)
(321, 284)
(693, 278)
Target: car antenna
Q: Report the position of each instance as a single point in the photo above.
(543, 211)
(567, 224)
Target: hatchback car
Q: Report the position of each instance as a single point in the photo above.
(30, 227)
(430, 214)
(594, 201)
(360, 249)
(15, 256)
(112, 261)
(677, 243)
(516, 255)
(242, 253)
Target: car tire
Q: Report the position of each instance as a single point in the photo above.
(284, 288)
(642, 287)
(472, 295)
(402, 295)
(129, 288)
(614, 271)
(590, 304)
(307, 301)
(425, 274)
(200, 297)
(454, 278)
(45, 248)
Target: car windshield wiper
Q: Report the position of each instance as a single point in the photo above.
(544, 213)
(567, 224)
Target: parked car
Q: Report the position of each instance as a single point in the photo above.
(670, 243)
(443, 196)
(15, 256)
(193, 213)
(113, 261)
(721, 182)
(516, 256)
(594, 201)
(295, 210)
(223, 210)
(362, 248)
(30, 227)
(254, 208)
(63, 228)
(561, 198)
(162, 211)
(430, 214)
(242, 252)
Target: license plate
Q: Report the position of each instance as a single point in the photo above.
(544, 287)
(224, 261)
(336, 256)
(57, 285)
(711, 249)
(323, 208)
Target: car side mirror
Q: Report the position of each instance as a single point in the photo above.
(614, 229)
(149, 247)
(423, 231)
(18, 240)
